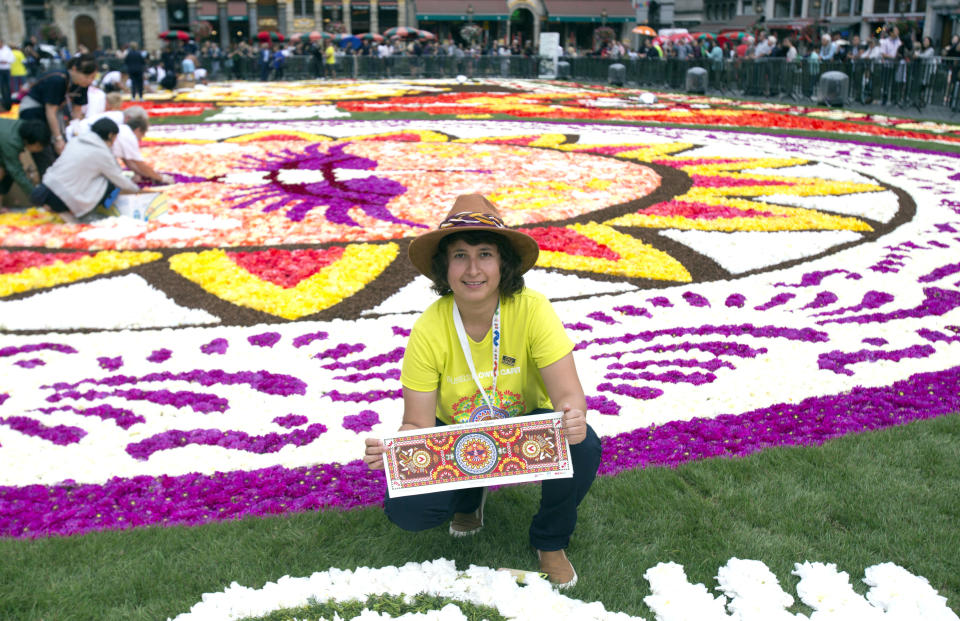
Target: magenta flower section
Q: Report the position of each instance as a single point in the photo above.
(67, 509)
(160, 355)
(110, 364)
(216, 346)
(364, 421)
(61, 435)
(267, 339)
(30, 363)
(305, 339)
(290, 420)
(6, 352)
(235, 440)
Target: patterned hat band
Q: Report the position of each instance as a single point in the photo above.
(472, 218)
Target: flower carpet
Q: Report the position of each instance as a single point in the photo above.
(727, 291)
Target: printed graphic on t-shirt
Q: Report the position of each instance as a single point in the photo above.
(473, 408)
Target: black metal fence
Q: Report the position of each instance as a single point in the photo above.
(908, 84)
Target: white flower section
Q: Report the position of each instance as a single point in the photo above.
(200, 221)
(754, 591)
(119, 302)
(743, 251)
(253, 177)
(818, 170)
(903, 595)
(119, 227)
(829, 592)
(880, 206)
(478, 585)
(673, 598)
(276, 113)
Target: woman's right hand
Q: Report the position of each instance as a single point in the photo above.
(373, 455)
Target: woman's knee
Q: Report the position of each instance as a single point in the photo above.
(411, 515)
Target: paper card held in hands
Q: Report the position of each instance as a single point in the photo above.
(512, 450)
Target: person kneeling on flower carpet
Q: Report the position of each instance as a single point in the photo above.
(477, 264)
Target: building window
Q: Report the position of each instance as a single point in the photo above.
(881, 6)
(303, 8)
(781, 8)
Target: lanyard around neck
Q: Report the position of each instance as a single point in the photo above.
(465, 346)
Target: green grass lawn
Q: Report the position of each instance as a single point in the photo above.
(891, 495)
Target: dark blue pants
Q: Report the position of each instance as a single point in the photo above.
(551, 527)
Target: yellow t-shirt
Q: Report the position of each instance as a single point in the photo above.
(329, 56)
(532, 338)
(17, 68)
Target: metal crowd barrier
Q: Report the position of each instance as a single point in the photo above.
(908, 84)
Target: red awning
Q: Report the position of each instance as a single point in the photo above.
(591, 8)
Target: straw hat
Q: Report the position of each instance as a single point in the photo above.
(471, 212)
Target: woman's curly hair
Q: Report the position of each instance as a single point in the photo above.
(511, 278)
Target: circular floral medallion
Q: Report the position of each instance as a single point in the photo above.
(475, 453)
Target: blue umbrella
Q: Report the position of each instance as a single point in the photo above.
(348, 39)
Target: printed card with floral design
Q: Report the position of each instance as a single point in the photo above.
(514, 450)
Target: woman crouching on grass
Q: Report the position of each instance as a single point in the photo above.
(477, 264)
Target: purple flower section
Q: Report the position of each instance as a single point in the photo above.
(808, 335)
(938, 302)
(636, 392)
(824, 298)
(216, 346)
(392, 374)
(633, 311)
(735, 300)
(36, 511)
(61, 435)
(717, 348)
(197, 401)
(26, 349)
(110, 364)
(603, 405)
(290, 420)
(191, 499)
(811, 422)
(670, 377)
(305, 339)
(3, 397)
(870, 301)
(125, 419)
(930, 335)
(602, 318)
(941, 272)
(261, 381)
(837, 361)
(31, 363)
(267, 339)
(579, 326)
(369, 397)
(160, 355)
(778, 300)
(695, 299)
(342, 350)
(813, 279)
(877, 341)
(395, 355)
(946, 228)
(230, 439)
(398, 331)
(660, 301)
(364, 421)
(710, 365)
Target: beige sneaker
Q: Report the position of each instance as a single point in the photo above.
(558, 568)
(466, 524)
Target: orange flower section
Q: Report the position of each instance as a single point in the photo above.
(218, 274)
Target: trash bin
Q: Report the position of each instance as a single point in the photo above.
(834, 87)
(563, 70)
(617, 74)
(696, 80)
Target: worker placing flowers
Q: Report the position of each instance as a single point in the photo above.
(487, 325)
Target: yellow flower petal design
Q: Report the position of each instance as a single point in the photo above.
(216, 273)
(637, 260)
(60, 273)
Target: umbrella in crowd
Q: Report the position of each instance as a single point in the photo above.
(316, 35)
(345, 39)
(700, 36)
(731, 35)
(426, 35)
(269, 35)
(175, 35)
(370, 36)
(402, 32)
(644, 30)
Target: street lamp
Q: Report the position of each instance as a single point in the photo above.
(603, 17)
(469, 12)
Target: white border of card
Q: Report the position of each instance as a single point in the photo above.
(564, 471)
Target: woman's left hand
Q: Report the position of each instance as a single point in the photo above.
(574, 424)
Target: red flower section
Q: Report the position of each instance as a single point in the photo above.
(286, 268)
(680, 162)
(13, 262)
(398, 137)
(569, 241)
(160, 108)
(706, 181)
(702, 211)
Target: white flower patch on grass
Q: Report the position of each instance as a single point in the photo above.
(276, 113)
